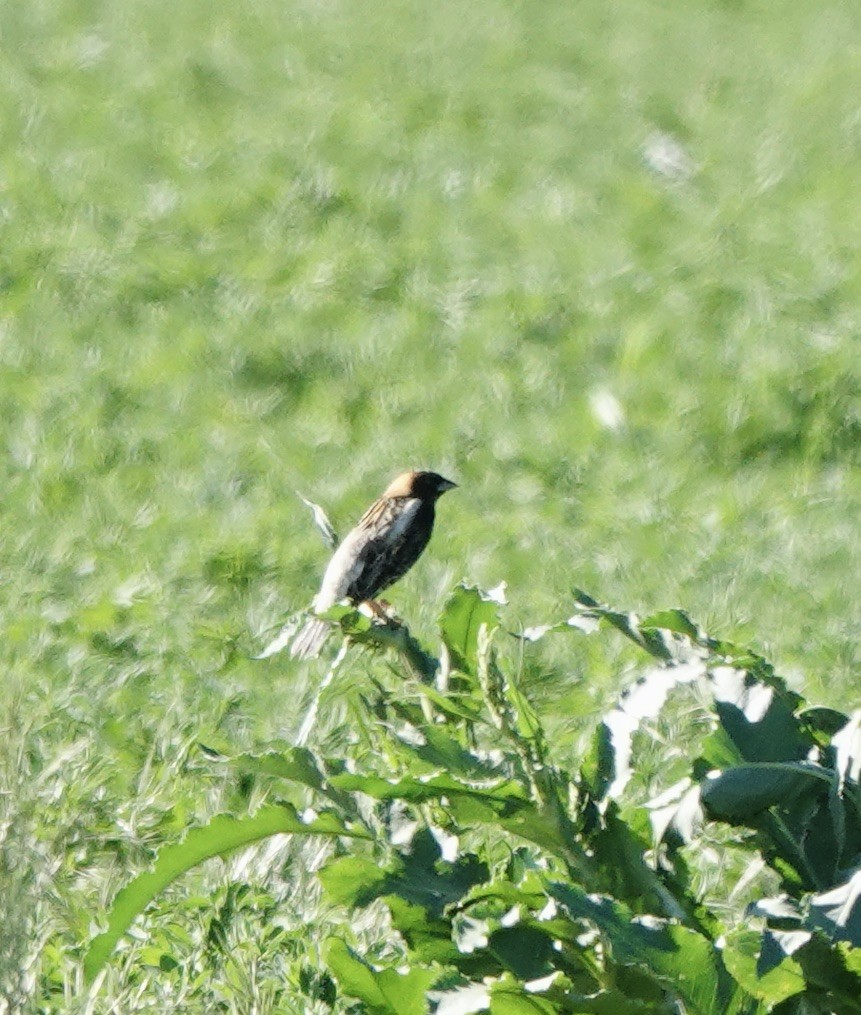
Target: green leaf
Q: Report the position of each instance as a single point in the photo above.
(501, 895)
(297, 764)
(522, 714)
(502, 795)
(436, 749)
(629, 624)
(352, 881)
(425, 879)
(462, 617)
(606, 1002)
(384, 991)
(456, 706)
(838, 912)
(742, 954)
(599, 765)
(668, 953)
(826, 720)
(554, 995)
(420, 876)
(744, 791)
(718, 751)
(796, 810)
(219, 836)
(675, 620)
(758, 713)
(526, 951)
(429, 939)
(511, 999)
(828, 968)
(619, 853)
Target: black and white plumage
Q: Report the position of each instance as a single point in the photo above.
(388, 540)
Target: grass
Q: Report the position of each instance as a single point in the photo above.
(596, 263)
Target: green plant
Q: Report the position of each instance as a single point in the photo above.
(508, 878)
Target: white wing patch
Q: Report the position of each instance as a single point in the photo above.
(404, 520)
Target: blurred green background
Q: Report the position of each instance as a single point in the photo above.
(596, 262)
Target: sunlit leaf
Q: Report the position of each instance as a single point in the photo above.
(297, 764)
(221, 835)
(384, 991)
(676, 620)
(467, 609)
(773, 981)
(353, 880)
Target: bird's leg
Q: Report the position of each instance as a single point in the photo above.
(379, 609)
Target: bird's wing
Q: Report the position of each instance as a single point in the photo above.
(379, 550)
(342, 572)
(393, 547)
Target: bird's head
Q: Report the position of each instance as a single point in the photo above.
(423, 485)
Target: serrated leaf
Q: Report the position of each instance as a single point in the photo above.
(297, 764)
(669, 953)
(223, 834)
(384, 991)
(718, 751)
(501, 794)
(419, 876)
(461, 706)
(429, 940)
(599, 766)
(775, 981)
(606, 1002)
(676, 620)
(513, 1000)
(629, 624)
(467, 609)
(759, 715)
(523, 715)
(827, 720)
(500, 895)
(423, 878)
(435, 748)
(352, 881)
(619, 851)
(838, 912)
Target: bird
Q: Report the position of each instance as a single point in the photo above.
(389, 538)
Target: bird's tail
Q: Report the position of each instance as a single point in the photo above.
(309, 640)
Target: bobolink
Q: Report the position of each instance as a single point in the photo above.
(388, 540)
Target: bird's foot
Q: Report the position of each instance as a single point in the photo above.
(380, 610)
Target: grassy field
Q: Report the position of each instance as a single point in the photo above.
(597, 263)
